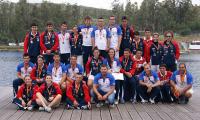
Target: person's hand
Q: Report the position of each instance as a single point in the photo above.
(23, 103)
(100, 97)
(29, 103)
(75, 103)
(51, 99)
(128, 74)
(105, 97)
(89, 105)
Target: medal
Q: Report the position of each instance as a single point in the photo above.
(63, 38)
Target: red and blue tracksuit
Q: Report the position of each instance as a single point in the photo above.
(49, 42)
(165, 88)
(27, 94)
(81, 94)
(129, 85)
(51, 91)
(32, 46)
(94, 65)
(38, 74)
(170, 55)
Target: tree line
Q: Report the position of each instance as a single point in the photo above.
(177, 15)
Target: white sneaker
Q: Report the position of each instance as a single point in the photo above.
(144, 101)
(30, 108)
(98, 105)
(116, 102)
(41, 108)
(48, 109)
(152, 101)
(111, 105)
(106, 102)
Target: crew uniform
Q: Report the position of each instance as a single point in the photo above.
(101, 39)
(49, 42)
(37, 73)
(87, 44)
(27, 94)
(79, 94)
(127, 34)
(76, 47)
(128, 65)
(156, 55)
(32, 46)
(134, 46)
(64, 47)
(171, 55)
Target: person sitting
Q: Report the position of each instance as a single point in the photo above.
(165, 89)
(181, 82)
(78, 95)
(148, 85)
(58, 71)
(103, 87)
(93, 66)
(49, 95)
(26, 95)
(72, 69)
(114, 66)
(39, 71)
(128, 67)
(23, 69)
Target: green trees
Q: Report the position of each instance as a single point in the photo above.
(177, 15)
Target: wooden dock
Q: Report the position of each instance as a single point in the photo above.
(127, 111)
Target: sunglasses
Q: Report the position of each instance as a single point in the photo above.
(168, 36)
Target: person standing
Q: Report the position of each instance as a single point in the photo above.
(32, 43)
(49, 43)
(64, 44)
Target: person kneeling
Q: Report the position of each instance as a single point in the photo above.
(77, 93)
(49, 95)
(148, 85)
(25, 99)
(103, 87)
(181, 82)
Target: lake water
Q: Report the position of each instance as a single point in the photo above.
(10, 60)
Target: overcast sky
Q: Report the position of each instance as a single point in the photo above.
(106, 4)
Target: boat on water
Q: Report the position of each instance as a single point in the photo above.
(194, 45)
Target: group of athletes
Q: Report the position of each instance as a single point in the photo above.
(102, 64)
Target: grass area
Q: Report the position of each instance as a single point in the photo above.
(10, 48)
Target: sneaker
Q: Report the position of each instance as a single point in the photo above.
(106, 102)
(134, 101)
(30, 108)
(84, 107)
(152, 101)
(122, 101)
(68, 107)
(41, 108)
(98, 105)
(143, 101)
(48, 109)
(116, 101)
(111, 105)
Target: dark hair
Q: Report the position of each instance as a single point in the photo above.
(26, 55)
(109, 59)
(49, 23)
(111, 16)
(64, 22)
(127, 49)
(48, 75)
(147, 29)
(136, 33)
(95, 48)
(139, 50)
(101, 17)
(87, 18)
(182, 64)
(124, 18)
(55, 53)
(27, 76)
(163, 65)
(103, 65)
(33, 24)
(73, 56)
